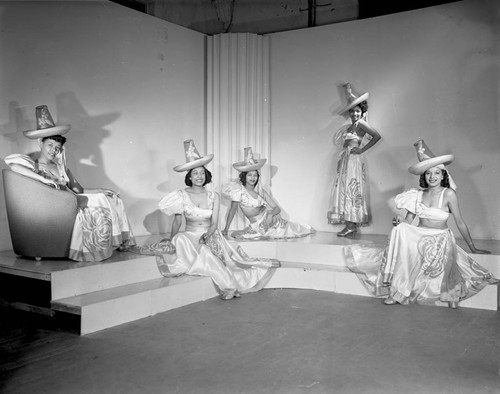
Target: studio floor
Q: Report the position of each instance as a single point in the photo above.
(273, 341)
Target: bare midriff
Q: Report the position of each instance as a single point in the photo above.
(252, 212)
(197, 225)
(437, 224)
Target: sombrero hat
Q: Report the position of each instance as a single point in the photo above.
(352, 98)
(250, 163)
(427, 159)
(45, 125)
(193, 158)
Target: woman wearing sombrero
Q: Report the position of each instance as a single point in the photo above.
(101, 225)
(201, 249)
(422, 263)
(257, 205)
(349, 196)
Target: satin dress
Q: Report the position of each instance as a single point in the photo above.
(420, 264)
(264, 225)
(230, 268)
(349, 195)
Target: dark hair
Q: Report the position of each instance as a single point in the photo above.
(445, 182)
(243, 177)
(208, 177)
(57, 138)
(363, 106)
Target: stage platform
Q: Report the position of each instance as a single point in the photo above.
(128, 286)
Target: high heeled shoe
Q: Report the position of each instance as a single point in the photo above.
(488, 278)
(453, 304)
(491, 280)
(347, 232)
(229, 294)
(390, 301)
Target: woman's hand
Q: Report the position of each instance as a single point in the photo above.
(224, 232)
(203, 238)
(356, 151)
(50, 182)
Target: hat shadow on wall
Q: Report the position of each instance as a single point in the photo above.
(19, 120)
(84, 155)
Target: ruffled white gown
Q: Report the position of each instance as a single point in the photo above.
(226, 263)
(263, 225)
(420, 264)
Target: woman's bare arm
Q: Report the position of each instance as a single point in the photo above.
(230, 216)
(451, 199)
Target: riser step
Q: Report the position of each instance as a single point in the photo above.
(111, 307)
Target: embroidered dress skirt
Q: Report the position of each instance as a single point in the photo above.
(264, 226)
(348, 199)
(99, 228)
(419, 265)
(226, 263)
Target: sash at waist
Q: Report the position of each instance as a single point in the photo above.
(197, 228)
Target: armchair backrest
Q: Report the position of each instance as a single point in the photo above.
(41, 218)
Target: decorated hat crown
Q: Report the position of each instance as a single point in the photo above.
(427, 160)
(45, 125)
(249, 163)
(193, 157)
(352, 98)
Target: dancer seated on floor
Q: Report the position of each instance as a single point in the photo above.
(257, 205)
(201, 249)
(423, 264)
(101, 225)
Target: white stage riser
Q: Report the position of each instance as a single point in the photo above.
(308, 253)
(87, 279)
(90, 278)
(99, 315)
(109, 294)
(126, 309)
(331, 255)
(348, 283)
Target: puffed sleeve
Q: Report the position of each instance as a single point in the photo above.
(172, 203)
(232, 190)
(339, 137)
(21, 160)
(407, 200)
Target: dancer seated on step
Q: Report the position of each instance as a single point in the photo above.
(101, 224)
(257, 205)
(422, 263)
(201, 249)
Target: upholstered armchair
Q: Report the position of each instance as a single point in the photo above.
(40, 217)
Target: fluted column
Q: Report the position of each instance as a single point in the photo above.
(238, 105)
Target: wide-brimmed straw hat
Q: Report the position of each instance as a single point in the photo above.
(250, 163)
(427, 159)
(352, 98)
(193, 158)
(45, 125)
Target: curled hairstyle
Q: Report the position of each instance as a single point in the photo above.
(243, 177)
(445, 182)
(363, 106)
(57, 138)
(208, 177)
